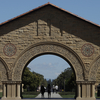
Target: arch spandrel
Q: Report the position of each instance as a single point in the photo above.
(3, 70)
(94, 68)
(48, 48)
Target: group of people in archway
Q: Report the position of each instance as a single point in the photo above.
(43, 89)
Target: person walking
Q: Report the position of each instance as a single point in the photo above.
(49, 90)
(53, 88)
(56, 87)
(42, 90)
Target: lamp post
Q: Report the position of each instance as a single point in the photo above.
(63, 76)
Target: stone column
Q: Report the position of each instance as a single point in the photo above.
(13, 90)
(93, 91)
(79, 90)
(4, 90)
(88, 90)
(9, 90)
(83, 90)
(18, 90)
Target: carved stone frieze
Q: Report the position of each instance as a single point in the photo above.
(56, 49)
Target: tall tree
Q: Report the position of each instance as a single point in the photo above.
(32, 80)
(65, 80)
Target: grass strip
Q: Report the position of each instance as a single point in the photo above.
(67, 94)
(29, 94)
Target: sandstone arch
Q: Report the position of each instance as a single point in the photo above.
(70, 39)
(48, 47)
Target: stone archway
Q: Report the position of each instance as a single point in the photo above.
(50, 47)
(28, 35)
(84, 88)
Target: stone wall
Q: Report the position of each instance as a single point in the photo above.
(49, 24)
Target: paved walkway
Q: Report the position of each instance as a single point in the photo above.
(53, 95)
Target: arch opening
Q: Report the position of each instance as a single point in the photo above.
(52, 54)
(64, 77)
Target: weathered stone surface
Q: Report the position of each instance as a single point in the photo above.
(50, 24)
(50, 30)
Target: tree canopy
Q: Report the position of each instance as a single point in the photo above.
(32, 80)
(66, 80)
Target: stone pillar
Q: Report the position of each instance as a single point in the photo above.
(9, 91)
(84, 90)
(78, 90)
(4, 90)
(18, 90)
(93, 90)
(88, 90)
(13, 90)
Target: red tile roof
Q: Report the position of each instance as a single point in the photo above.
(44, 6)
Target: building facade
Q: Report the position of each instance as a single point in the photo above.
(49, 29)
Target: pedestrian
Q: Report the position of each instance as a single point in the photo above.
(56, 87)
(53, 88)
(49, 90)
(42, 90)
(38, 89)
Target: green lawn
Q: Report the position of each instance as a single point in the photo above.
(26, 94)
(67, 94)
(71, 95)
(30, 94)
(96, 96)
(0, 94)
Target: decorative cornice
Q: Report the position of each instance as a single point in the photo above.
(11, 82)
(85, 82)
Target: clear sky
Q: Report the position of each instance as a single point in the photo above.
(48, 65)
(88, 9)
